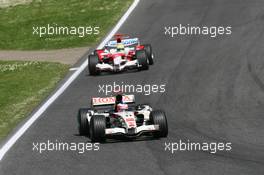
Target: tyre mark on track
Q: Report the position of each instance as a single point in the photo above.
(251, 71)
(255, 76)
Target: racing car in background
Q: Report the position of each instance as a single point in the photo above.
(111, 116)
(120, 54)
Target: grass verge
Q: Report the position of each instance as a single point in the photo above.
(17, 22)
(23, 85)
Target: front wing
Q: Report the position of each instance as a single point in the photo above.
(132, 131)
(107, 67)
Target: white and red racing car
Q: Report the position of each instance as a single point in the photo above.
(119, 115)
(120, 54)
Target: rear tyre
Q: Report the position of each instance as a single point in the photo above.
(142, 60)
(159, 118)
(97, 128)
(83, 121)
(148, 50)
(93, 60)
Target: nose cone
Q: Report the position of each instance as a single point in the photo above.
(117, 60)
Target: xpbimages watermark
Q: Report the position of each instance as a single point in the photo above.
(188, 30)
(54, 29)
(145, 89)
(51, 146)
(211, 147)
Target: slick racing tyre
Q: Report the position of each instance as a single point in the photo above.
(83, 121)
(148, 50)
(159, 118)
(93, 60)
(142, 60)
(97, 128)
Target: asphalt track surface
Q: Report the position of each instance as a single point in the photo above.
(214, 93)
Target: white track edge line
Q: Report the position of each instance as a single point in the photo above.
(5, 148)
(74, 68)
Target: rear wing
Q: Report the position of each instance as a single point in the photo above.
(126, 42)
(104, 101)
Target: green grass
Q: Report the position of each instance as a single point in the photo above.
(16, 23)
(22, 86)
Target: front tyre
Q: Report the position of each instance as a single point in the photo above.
(149, 53)
(159, 118)
(83, 122)
(93, 60)
(142, 59)
(97, 128)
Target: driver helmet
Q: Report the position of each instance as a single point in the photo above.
(121, 107)
(120, 46)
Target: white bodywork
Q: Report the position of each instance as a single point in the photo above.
(130, 123)
(128, 117)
